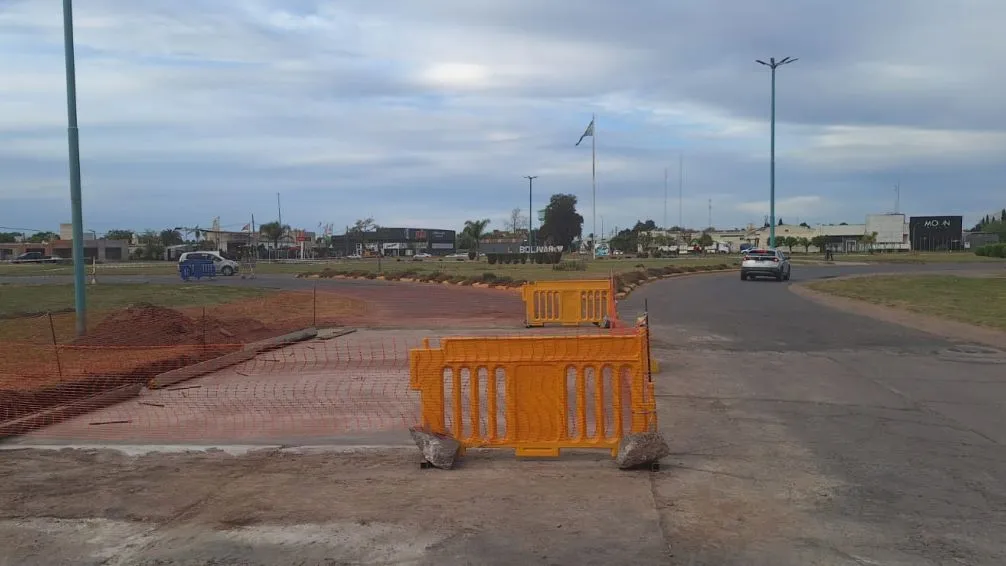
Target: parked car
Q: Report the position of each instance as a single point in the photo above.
(765, 263)
(226, 267)
(421, 257)
(457, 256)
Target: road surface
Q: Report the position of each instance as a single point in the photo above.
(807, 435)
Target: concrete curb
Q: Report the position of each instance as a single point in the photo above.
(621, 295)
(248, 352)
(70, 410)
(949, 329)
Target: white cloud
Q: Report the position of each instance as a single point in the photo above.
(436, 109)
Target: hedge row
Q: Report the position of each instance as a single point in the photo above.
(992, 250)
(541, 258)
(624, 282)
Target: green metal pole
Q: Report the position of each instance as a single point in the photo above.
(79, 299)
(771, 237)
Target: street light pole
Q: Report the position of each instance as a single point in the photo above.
(73, 139)
(773, 64)
(530, 207)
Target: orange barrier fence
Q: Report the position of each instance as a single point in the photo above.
(568, 303)
(536, 394)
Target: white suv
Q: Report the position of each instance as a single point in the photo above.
(224, 266)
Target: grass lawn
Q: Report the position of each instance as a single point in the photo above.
(975, 300)
(599, 269)
(43, 298)
(914, 257)
(131, 268)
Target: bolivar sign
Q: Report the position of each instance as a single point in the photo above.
(540, 249)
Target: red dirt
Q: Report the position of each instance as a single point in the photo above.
(150, 325)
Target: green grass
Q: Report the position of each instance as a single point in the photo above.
(974, 300)
(914, 257)
(599, 269)
(127, 268)
(53, 298)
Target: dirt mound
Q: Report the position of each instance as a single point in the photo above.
(144, 324)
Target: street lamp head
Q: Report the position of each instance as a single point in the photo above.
(762, 62)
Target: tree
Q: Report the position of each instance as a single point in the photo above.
(789, 242)
(805, 225)
(517, 222)
(805, 243)
(9, 237)
(39, 237)
(472, 234)
(153, 248)
(647, 226)
(625, 241)
(705, 240)
(819, 242)
(126, 235)
(780, 222)
(170, 237)
(869, 240)
(563, 223)
(273, 231)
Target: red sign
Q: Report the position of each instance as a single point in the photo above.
(302, 238)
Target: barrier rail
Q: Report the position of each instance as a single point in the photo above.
(197, 268)
(536, 394)
(569, 303)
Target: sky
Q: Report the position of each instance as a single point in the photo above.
(430, 112)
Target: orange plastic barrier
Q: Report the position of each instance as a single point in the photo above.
(569, 303)
(536, 394)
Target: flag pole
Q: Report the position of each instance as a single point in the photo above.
(593, 181)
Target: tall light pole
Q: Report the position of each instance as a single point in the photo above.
(530, 207)
(73, 139)
(773, 64)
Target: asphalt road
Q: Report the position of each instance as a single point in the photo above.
(801, 435)
(804, 435)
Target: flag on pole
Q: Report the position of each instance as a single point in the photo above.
(247, 228)
(588, 132)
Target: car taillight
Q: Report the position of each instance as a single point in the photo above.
(775, 260)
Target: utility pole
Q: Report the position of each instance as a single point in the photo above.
(773, 64)
(897, 198)
(665, 198)
(73, 139)
(279, 211)
(710, 225)
(530, 208)
(681, 190)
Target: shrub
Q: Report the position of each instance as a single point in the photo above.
(670, 269)
(656, 254)
(488, 277)
(491, 258)
(371, 275)
(642, 255)
(473, 256)
(654, 272)
(992, 250)
(570, 265)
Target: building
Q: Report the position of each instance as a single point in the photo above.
(891, 232)
(936, 233)
(396, 242)
(99, 250)
(975, 240)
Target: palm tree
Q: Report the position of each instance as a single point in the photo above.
(869, 240)
(472, 235)
(274, 231)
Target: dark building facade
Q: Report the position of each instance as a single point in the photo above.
(936, 233)
(396, 242)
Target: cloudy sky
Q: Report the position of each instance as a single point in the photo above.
(429, 112)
